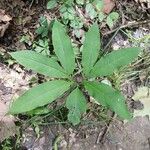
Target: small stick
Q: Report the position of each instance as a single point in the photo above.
(116, 32)
(130, 24)
(102, 135)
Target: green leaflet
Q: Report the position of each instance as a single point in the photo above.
(39, 63)
(109, 97)
(51, 4)
(113, 61)
(91, 48)
(63, 48)
(39, 96)
(112, 18)
(76, 103)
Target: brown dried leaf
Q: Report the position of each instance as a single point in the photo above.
(108, 6)
(4, 17)
(7, 125)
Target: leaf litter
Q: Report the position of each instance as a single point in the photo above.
(12, 84)
(7, 125)
(143, 95)
(4, 22)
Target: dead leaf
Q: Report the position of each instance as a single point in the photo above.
(4, 22)
(4, 17)
(142, 95)
(108, 6)
(7, 125)
(2, 50)
(3, 28)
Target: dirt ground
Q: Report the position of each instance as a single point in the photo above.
(134, 135)
(14, 80)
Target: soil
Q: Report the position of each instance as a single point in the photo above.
(14, 80)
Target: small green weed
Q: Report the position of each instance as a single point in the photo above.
(93, 10)
(42, 46)
(11, 144)
(7, 145)
(71, 79)
(43, 28)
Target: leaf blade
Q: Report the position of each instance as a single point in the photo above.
(109, 97)
(91, 48)
(76, 103)
(39, 63)
(114, 61)
(111, 19)
(39, 96)
(63, 48)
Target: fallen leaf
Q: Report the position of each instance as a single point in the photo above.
(7, 125)
(142, 95)
(108, 6)
(4, 17)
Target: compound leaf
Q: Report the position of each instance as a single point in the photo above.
(109, 97)
(63, 48)
(76, 103)
(113, 61)
(39, 63)
(39, 96)
(91, 48)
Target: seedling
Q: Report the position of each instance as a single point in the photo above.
(43, 28)
(74, 78)
(93, 10)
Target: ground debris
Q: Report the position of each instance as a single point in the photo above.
(142, 95)
(12, 84)
(7, 125)
(144, 1)
(108, 6)
(4, 22)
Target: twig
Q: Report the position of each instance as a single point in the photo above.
(102, 135)
(58, 139)
(116, 32)
(130, 24)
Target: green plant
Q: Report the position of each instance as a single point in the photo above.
(70, 14)
(111, 19)
(95, 11)
(11, 143)
(6, 145)
(51, 4)
(74, 78)
(42, 46)
(43, 28)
